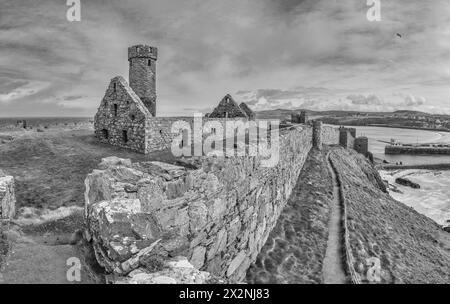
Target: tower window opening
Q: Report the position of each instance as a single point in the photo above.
(105, 134)
(115, 109)
(149, 62)
(125, 136)
(133, 117)
(115, 87)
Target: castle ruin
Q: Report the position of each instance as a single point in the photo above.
(127, 113)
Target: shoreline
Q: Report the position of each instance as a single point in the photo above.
(444, 166)
(394, 127)
(406, 127)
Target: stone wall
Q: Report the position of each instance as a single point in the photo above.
(301, 117)
(218, 215)
(347, 137)
(142, 74)
(330, 135)
(7, 197)
(159, 134)
(250, 114)
(228, 108)
(121, 118)
(362, 145)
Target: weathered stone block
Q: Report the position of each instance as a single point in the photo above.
(7, 197)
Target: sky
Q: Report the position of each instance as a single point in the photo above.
(291, 54)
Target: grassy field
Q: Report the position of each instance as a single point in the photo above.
(50, 167)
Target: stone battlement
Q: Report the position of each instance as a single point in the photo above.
(142, 51)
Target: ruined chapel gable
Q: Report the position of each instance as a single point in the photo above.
(228, 108)
(121, 117)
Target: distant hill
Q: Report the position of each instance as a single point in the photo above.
(286, 114)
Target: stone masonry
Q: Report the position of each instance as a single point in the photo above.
(317, 134)
(228, 108)
(122, 117)
(126, 116)
(142, 59)
(218, 215)
(362, 145)
(217, 212)
(250, 114)
(301, 118)
(7, 197)
(347, 137)
(348, 140)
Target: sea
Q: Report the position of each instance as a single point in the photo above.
(433, 197)
(13, 122)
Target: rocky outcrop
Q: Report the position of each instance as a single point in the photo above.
(406, 182)
(175, 271)
(7, 196)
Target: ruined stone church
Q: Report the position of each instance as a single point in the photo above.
(127, 113)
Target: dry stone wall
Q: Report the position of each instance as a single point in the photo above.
(7, 197)
(218, 215)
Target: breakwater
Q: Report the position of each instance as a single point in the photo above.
(417, 150)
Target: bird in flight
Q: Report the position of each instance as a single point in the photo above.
(399, 35)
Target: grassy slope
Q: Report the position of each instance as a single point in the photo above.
(295, 249)
(411, 247)
(50, 167)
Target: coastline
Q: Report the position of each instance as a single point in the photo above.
(393, 127)
(441, 166)
(431, 199)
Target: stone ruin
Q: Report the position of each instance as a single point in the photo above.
(301, 118)
(349, 140)
(228, 108)
(213, 213)
(7, 197)
(126, 116)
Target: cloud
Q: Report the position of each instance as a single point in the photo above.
(20, 90)
(315, 53)
(365, 100)
(411, 100)
(73, 97)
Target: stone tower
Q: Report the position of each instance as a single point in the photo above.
(142, 79)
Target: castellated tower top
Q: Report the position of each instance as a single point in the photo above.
(142, 51)
(142, 78)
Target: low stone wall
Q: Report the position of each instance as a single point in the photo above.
(7, 197)
(218, 216)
